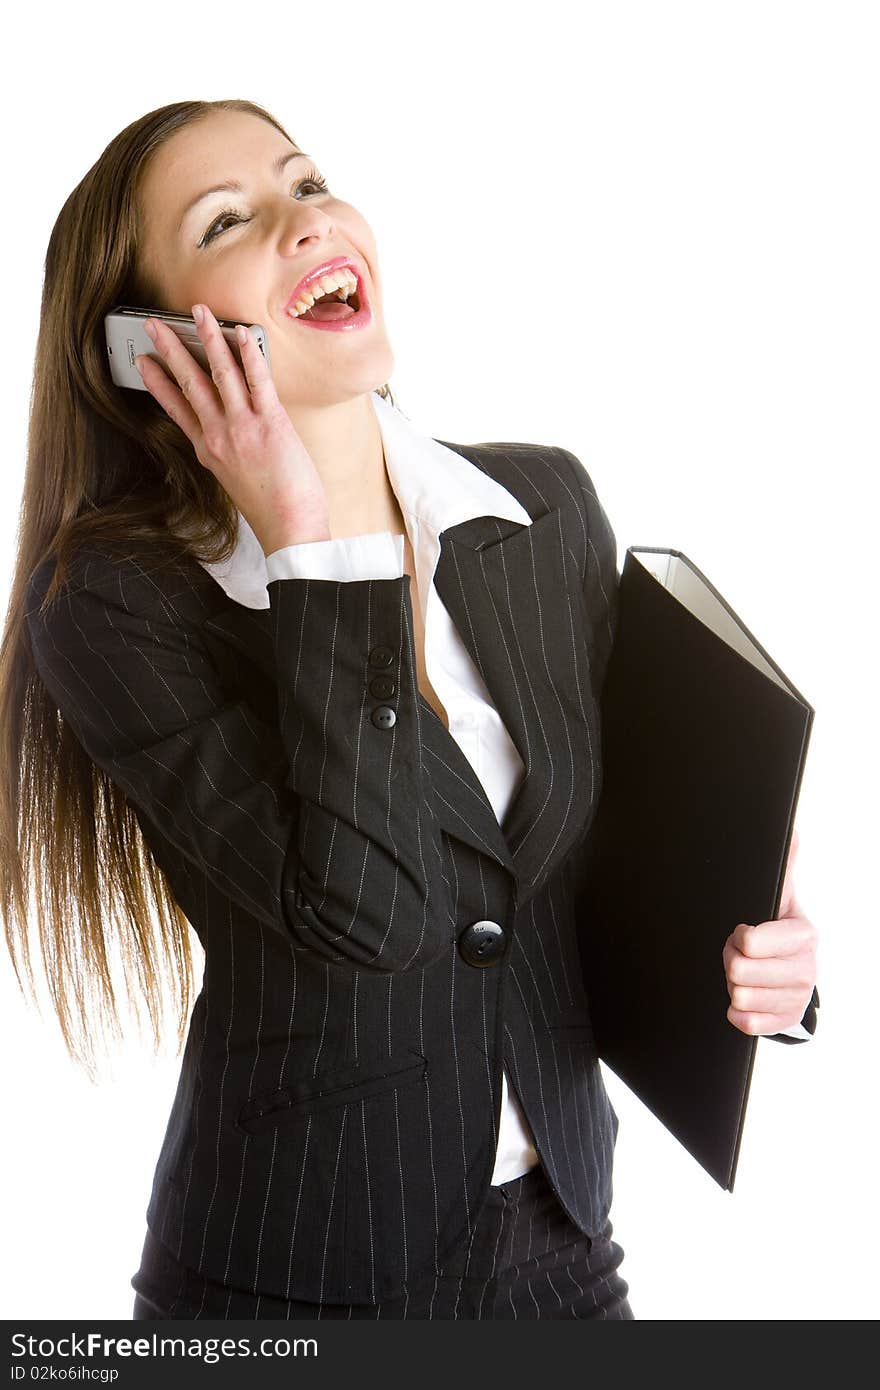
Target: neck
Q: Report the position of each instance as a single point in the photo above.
(345, 444)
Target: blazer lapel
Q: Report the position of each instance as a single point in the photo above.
(513, 593)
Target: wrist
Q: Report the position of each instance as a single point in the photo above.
(300, 532)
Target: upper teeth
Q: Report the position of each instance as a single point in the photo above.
(342, 280)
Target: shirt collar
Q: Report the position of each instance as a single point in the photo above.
(435, 487)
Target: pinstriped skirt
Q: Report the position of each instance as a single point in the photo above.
(526, 1260)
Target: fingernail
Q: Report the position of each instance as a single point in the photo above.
(198, 313)
(138, 362)
(150, 329)
(241, 333)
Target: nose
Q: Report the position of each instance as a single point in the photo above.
(303, 223)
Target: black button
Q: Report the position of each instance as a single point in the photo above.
(383, 717)
(483, 943)
(383, 687)
(381, 656)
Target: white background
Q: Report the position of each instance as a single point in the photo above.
(647, 232)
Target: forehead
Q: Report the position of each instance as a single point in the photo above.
(220, 146)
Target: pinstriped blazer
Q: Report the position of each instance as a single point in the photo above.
(333, 1131)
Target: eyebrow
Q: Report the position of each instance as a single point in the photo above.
(232, 187)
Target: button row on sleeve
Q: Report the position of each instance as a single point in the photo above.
(382, 687)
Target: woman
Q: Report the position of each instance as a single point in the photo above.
(328, 693)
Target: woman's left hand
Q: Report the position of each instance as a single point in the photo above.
(771, 967)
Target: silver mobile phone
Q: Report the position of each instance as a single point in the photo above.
(127, 339)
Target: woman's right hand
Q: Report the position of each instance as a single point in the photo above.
(240, 430)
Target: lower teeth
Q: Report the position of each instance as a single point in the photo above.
(320, 318)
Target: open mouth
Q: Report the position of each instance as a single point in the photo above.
(333, 308)
(338, 310)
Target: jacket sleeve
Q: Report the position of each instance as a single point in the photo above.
(601, 585)
(319, 823)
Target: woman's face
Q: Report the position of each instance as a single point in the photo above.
(245, 264)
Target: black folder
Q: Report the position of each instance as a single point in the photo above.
(704, 741)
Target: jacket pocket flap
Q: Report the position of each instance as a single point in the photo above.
(327, 1090)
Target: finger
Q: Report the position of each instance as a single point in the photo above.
(197, 388)
(225, 372)
(171, 399)
(783, 937)
(787, 904)
(767, 1001)
(758, 1023)
(769, 971)
(256, 368)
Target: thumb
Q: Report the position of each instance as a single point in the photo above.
(787, 903)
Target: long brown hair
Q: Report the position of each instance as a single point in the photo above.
(109, 465)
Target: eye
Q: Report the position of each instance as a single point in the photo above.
(212, 232)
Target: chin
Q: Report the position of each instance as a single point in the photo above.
(345, 382)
